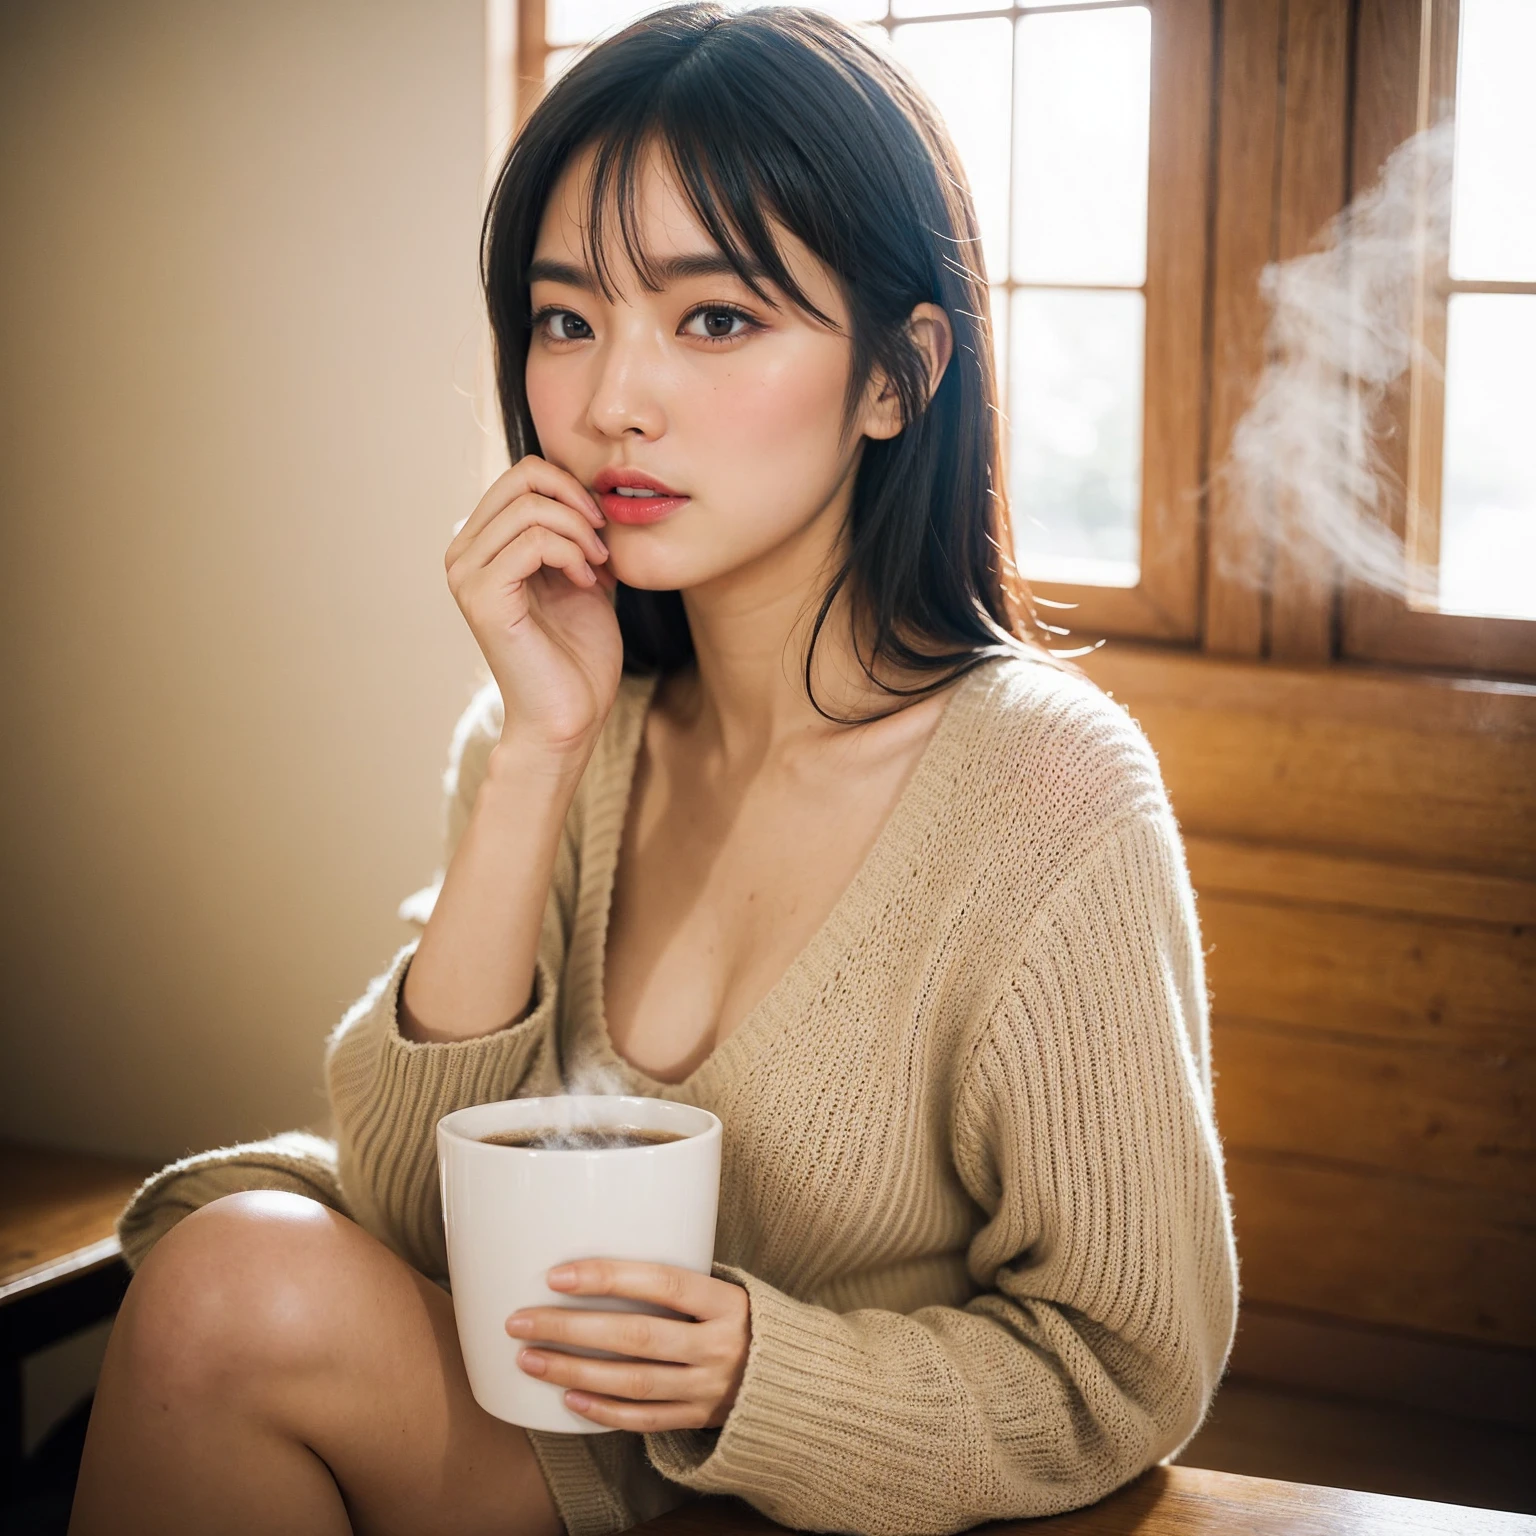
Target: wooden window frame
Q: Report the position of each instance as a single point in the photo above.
(1405, 83)
(1267, 117)
(1165, 603)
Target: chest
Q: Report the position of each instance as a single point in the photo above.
(719, 887)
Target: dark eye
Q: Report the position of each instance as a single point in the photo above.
(718, 320)
(551, 318)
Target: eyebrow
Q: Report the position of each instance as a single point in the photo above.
(675, 269)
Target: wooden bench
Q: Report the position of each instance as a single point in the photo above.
(60, 1268)
(1179, 1501)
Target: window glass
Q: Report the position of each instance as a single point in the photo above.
(1487, 523)
(1080, 146)
(944, 7)
(1076, 359)
(1488, 487)
(1082, 83)
(579, 21)
(1493, 224)
(964, 67)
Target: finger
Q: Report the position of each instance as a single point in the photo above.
(528, 512)
(643, 1418)
(638, 1383)
(621, 1333)
(665, 1285)
(525, 556)
(530, 473)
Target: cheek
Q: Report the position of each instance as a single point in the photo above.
(552, 400)
(762, 438)
(759, 442)
(785, 412)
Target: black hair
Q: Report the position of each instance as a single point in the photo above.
(782, 112)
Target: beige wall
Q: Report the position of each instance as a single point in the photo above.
(240, 327)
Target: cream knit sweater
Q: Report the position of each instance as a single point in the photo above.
(972, 1183)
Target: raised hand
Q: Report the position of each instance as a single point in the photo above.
(527, 569)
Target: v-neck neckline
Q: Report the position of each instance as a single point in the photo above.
(895, 848)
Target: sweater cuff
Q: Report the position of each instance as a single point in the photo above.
(375, 1072)
(388, 1093)
(800, 1375)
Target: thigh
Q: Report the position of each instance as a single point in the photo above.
(349, 1349)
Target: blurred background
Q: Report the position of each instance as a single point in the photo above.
(241, 331)
(1263, 274)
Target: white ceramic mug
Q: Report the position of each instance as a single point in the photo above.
(513, 1213)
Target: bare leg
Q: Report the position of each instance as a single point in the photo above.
(275, 1368)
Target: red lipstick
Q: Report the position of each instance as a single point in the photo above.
(661, 501)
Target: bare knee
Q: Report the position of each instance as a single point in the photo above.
(248, 1290)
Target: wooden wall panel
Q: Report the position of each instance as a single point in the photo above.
(1312, 189)
(1282, 167)
(1456, 1115)
(1427, 772)
(1379, 791)
(1248, 151)
(1407, 1254)
(1336, 971)
(1363, 851)
(1289, 874)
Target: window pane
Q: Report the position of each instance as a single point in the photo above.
(1493, 220)
(1081, 130)
(965, 67)
(944, 7)
(853, 10)
(1488, 494)
(1075, 473)
(579, 21)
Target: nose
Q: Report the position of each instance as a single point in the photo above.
(627, 389)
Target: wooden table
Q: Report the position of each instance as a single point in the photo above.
(60, 1268)
(1179, 1501)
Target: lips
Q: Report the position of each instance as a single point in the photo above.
(634, 510)
(636, 479)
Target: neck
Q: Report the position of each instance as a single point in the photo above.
(751, 629)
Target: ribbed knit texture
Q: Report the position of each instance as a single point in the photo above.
(972, 1183)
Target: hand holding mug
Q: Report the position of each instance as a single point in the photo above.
(685, 1373)
(532, 1188)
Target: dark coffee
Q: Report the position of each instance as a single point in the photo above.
(592, 1138)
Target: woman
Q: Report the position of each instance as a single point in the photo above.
(771, 805)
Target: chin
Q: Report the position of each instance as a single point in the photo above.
(662, 559)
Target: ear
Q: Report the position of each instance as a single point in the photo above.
(930, 329)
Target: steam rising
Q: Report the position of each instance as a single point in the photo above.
(593, 1077)
(1341, 332)
(578, 1078)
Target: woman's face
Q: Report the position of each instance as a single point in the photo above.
(733, 404)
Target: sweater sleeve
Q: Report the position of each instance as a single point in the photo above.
(1103, 1257)
(387, 1093)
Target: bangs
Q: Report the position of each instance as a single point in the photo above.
(728, 200)
(732, 179)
